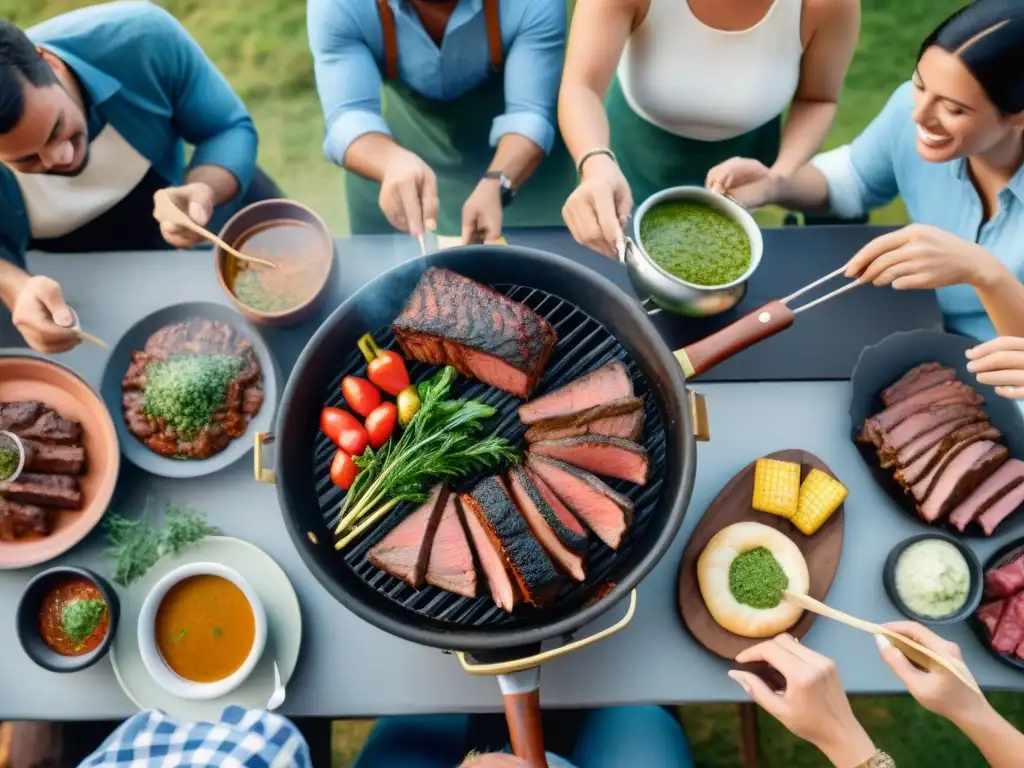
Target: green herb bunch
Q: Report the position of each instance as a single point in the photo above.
(185, 390)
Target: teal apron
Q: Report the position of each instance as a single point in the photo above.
(452, 138)
(653, 159)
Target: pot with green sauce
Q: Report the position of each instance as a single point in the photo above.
(692, 252)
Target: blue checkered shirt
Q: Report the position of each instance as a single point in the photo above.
(242, 737)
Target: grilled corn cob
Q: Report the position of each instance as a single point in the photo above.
(820, 496)
(776, 487)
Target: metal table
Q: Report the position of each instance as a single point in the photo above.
(348, 668)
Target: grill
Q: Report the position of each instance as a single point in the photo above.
(583, 344)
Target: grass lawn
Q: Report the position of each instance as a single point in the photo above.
(260, 45)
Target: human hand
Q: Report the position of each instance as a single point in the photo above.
(45, 321)
(494, 760)
(919, 256)
(482, 213)
(598, 209)
(814, 706)
(197, 200)
(408, 194)
(747, 181)
(1000, 363)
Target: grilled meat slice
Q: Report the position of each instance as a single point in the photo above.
(989, 615)
(1009, 632)
(561, 534)
(1006, 580)
(934, 456)
(405, 550)
(961, 476)
(50, 427)
(20, 520)
(607, 513)
(606, 456)
(451, 566)
(945, 393)
(450, 319)
(492, 561)
(54, 459)
(504, 525)
(915, 380)
(919, 446)
(994, 500)
(622, 418)
(45, 490)
(924, 421)
(958, 443)
(15, 416)
(607, 384)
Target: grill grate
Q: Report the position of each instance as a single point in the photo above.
(583, 345)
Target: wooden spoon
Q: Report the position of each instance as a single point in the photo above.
(917, 653)
(167, 211)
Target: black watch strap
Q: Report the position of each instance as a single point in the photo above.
(508, 194)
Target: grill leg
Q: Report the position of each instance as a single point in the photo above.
(748, 731)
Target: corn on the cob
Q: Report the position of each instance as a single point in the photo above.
(820, 496)
(776, 487)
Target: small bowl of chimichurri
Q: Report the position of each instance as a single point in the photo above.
(12, 457)
(696, 251)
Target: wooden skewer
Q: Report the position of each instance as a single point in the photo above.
(94, 340)
(166, 210)
(917, 653)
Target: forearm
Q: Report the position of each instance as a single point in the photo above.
(582, 119)
(517, 157)
(807, 125)
(1002, 295)
(850, 749)
(804, 189)
(370, 154)
(12, 280)
(1001, 744)
(220, 180)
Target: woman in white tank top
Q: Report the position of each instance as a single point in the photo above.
(659, 93)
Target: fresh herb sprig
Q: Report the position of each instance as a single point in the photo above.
(441, 443)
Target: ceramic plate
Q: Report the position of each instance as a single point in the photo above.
(134, 450)
(284, 631)
(28, 377)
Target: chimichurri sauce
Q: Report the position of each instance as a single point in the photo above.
(695, 242)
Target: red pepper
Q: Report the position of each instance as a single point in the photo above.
(385, 368)
(361, 396)
(380, 424)
(344, 430)
(343, 470)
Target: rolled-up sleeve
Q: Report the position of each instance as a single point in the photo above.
(347, 78)
(533, 70)
(14, 226)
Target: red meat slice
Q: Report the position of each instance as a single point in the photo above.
(989, 615)
(920, 423)
(919, 446)
(622, 418)
(405, 550)
(947, 392)
(956, 444)
(566, 544)
(993, 500)
(1006, 580)
(934, 456)
(963, 474)
(451, 566)
(606, 456)
(915, 380)
(1010, 631)
(604, 385)
(498, 580)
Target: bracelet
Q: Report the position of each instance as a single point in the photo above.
(879, 760)
(589, 154)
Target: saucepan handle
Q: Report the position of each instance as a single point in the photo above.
(703, 355)
(263, 475)
(521, 691)
(699, 423)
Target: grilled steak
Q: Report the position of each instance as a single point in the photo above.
(957, 443)
(51, 428)
(989, 614)
(623, 418)
(451, 564)
(20, 520)
(934, 456)
(504, 525)
(607, 384)
(450, 319)
(993, 500)
(924, 421)
(607, 513)
(45, 490)
(961, 476)
(945, 393)
(1005, 580)
(15, 416)
(405, 550)
(503, 590)
(919, 446)
(915, 380)
(55, 459)
(607, 456)
(561, 534)
(1009, 632)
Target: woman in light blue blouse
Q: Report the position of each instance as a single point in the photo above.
(950, 142)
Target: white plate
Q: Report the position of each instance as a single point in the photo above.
(284, 631)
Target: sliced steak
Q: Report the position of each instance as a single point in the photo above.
(919, 446)
(1006, 580)
(450, 319)
(20, 520)
(915, 380)
(45, 490)
(989, 615)
(993, 500)
(492, 561)
(922, 422)
(52, 428)
(566, 544)
(451, 564)
(1009, 632)
(501, 519)
(945, 393)
(54, 459)
(606, 456)
(957, 443)
(405, 550)
(607, 513)
(15, 416)
(961, 476)
(926, 462)
(607, 384)
(622, 418)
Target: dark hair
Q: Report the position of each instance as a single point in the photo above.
(19, 60)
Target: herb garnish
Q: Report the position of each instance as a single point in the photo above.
(80, 618)
(217, 632)
(756, 579)
(441, 443)
(8, 462)
(179, 636)
(185, 390)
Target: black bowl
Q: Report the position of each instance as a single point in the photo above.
(1000, 558)
(882, 364)
(973, 566)
(28, 612)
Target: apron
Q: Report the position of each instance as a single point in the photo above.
(452, 137)
(652, 159)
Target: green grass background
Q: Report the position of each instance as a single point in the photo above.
(260, 45)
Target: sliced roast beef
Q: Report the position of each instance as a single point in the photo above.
(961, 476)
(933, 457)
(1009, 632)
(450, 319)
(607, 384)
(20, 520)
(50, 427)
(919, 446)
(15, 416)
(927, 400)
(54, 459)
(405, 550)
(995, 495)
(622, 418)
(1005, 580)
(451, 565)
(915, 426)
(492, 561)
(606, 456)
(915, 380)
(561, 534)
(607, 513)
(957, 443)
(45, 490)
(503, 523)
(989, 615)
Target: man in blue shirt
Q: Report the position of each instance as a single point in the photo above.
(94, 108)
(440, 110)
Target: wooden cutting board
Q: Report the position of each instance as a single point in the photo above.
(732, 505)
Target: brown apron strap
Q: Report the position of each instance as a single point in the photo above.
(387, 26)
(494, 33)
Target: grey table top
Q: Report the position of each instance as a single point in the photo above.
(349, 668)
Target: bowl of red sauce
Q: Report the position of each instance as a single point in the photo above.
(67, 618)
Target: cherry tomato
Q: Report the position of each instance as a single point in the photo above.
(385, 368)
(361, 396)
(381, 424)
(344, 430)
(343, 470)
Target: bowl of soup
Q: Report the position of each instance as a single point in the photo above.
(695, 251)
(292, 237)
(202, 630)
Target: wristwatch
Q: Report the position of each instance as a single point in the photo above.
(879, 760)
(507, 193)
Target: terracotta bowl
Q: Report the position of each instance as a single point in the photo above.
(32, 378)
(263, 215)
